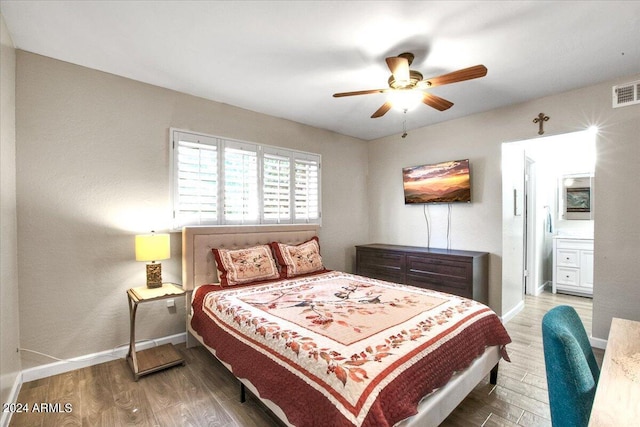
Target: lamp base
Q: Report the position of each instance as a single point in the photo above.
(154, 275)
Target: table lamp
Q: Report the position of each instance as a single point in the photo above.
(153, 247)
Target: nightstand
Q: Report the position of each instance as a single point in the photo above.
(157, 358)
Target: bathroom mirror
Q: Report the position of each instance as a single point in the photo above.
(576, 197)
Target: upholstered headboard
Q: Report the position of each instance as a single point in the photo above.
(198, 264)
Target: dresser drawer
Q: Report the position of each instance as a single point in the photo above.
(440, 274)
(568, 257)
(378, 258)
(440, 270)
(579, 244)
(389, 275)
(442, 285)
(380, 265)
(568, 276)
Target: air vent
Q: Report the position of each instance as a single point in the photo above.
(626, 94)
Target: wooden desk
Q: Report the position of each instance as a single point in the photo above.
(617, 400)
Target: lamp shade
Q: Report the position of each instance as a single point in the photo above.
(153, 247)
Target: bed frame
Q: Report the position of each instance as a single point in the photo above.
(198, 267)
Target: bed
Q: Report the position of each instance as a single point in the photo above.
(321, 347)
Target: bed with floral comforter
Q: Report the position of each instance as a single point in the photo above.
(343, 350)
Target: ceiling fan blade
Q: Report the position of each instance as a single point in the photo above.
(458, 76)
(399, 67)
(359, 92)
(382, 110)
(436, 102)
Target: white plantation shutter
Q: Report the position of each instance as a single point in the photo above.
(222, 181)
(240, 184)
(276, 187)
(196, 179)
(307, 189)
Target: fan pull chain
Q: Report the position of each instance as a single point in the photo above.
(404, 124)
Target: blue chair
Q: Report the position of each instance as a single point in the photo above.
(572, 370)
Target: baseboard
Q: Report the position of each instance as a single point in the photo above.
(512, 313)
(598, 342)
(5, 419)
(542, 287)
(56, 368)
(539, 289)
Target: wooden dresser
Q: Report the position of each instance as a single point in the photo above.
(464, 273)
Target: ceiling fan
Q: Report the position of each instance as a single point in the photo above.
(406, 82)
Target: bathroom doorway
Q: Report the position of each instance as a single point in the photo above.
(534, 207)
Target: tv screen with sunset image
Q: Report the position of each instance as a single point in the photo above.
(446, 182)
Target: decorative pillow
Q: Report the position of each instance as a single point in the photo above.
(245, 265)
(295, 260)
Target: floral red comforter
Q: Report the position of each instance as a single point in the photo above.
(342, 350)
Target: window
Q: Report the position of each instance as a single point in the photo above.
(223, 181)
(307, 183)
(240, 191)
(276, 184)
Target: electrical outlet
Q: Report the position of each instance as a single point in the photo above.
(171, 303)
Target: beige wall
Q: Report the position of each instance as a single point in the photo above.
(478, 226)
(475, 226)
(93, 170)
(617, 221)
(9, 325)
(512, 250)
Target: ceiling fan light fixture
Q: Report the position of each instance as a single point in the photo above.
(405, 99)
(406, 86)
(409, 82)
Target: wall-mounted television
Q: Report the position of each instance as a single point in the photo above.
(445, 182)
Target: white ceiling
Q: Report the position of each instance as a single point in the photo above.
(286, 58)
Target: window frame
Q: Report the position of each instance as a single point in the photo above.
(221, 143)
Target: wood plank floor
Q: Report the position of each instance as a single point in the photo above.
(204, 393)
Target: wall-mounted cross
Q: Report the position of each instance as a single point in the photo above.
(540, 120)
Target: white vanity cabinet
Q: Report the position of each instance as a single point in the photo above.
(573, 265)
